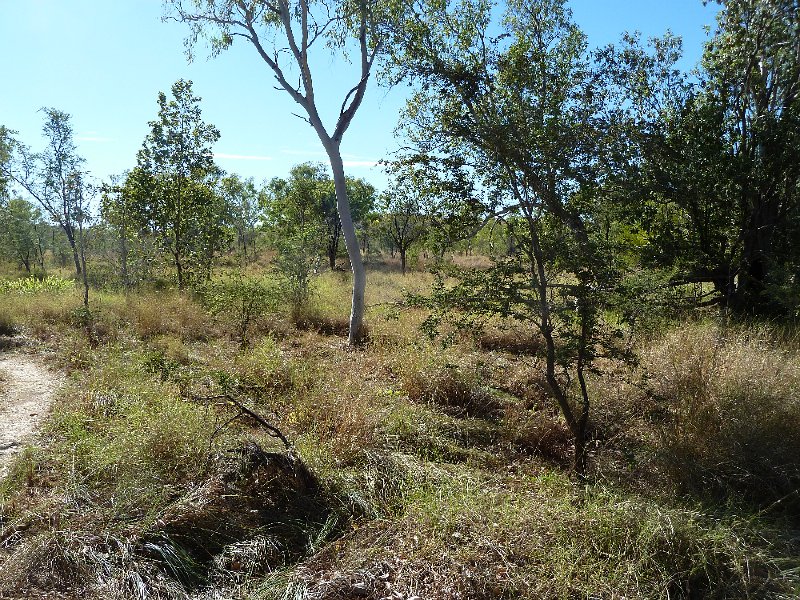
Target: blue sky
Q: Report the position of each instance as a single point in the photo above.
(104, 62)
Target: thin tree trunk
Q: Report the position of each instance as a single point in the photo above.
(178, 269)
(332, 257)
(351, 243)
(74, 247)
(85, 277)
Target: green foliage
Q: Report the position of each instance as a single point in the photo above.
(55, 180)
(307, 201)
(401, 222)
(22, 234)
(243, 300)
(36, 285)
(135, 251)
(244, 205)
(720, 169)
(6, 148)
(296, 265)
(171, 190)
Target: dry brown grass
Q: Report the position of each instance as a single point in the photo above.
(437, 471)
(517, 340)
(452, 384)
(733, 401)
(168, 313)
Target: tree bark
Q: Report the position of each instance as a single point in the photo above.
(74, 247)
(355, 336)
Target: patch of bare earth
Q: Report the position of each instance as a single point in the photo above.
(27, 387)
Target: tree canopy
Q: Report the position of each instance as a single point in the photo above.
(172, 186)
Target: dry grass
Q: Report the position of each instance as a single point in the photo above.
(168, 313)
(435, 473)
(733, 400)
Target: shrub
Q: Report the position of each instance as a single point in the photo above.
(242, 300)
(36, 285)
(295, 266)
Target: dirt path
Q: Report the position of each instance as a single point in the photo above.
(26, 391)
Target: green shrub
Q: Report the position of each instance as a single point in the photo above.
(242, 300)
(36, 285)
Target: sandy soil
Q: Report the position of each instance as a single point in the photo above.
(26, 391)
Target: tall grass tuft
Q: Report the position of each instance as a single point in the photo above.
(733, 401)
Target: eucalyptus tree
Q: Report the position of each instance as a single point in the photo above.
(753, 71)
(53, 178)
(120, 209)
(285, 34)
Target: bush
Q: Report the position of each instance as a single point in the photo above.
(36, 285)
(242, 300)
(295, 266)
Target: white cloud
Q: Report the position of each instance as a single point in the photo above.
(240, 156)
(350, 160)
(315, 153)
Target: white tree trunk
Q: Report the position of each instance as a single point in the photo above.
(351, 242)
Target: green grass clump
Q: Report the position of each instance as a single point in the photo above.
(36, 285)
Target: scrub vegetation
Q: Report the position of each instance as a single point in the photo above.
(572, 369)
(176, 461)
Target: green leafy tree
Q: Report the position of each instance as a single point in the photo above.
(23, 234)
(244, 206)
(523, 107)
(307, 199)
(172, 186)
(53, 178)
(242, 300)
(134, 252)
(721, 161)
(445, 191)
(293, 214)
(6, 150)
(402, 223)
(285, 34)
